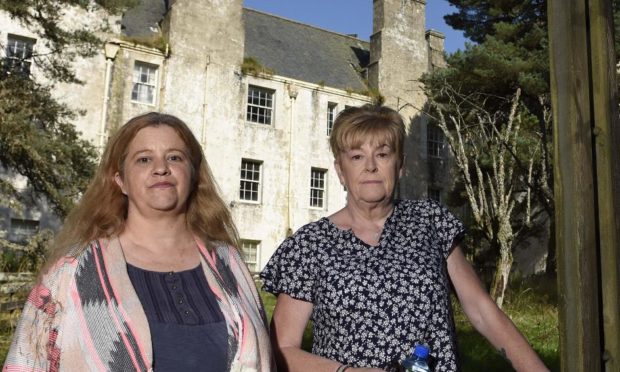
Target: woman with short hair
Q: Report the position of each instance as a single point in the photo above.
(144, 273)
(375, 276)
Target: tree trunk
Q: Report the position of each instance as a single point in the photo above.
(502, 273)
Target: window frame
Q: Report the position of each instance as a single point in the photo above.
(23, 229)
(254, 108)
(153, 85)
(21, 64)
(332, 108)
(256, 245)
(318, 192)
(435, 141)
(245, 181)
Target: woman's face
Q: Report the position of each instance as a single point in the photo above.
(369, 173)
(157, 172)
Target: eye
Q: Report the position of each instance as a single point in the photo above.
(383, 155)
(175, 157)
(142, 160)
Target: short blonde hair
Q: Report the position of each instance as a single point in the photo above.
(355, 126)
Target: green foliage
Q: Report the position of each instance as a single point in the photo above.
(28, 258)
(63, 43)
(159, 42)
(511, 53)
(532, 306)
(481, 18)
(251, 66)
(38, 141)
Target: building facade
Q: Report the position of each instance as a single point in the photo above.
(260, 92)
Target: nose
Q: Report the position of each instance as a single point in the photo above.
(371, 164)
(160, 167)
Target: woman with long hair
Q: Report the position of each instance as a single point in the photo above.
(144, 273)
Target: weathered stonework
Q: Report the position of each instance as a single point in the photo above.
(199, 79)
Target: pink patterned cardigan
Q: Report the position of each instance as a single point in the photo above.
(85, 315)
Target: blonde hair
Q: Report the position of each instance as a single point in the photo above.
(102, 211)
(355, 126)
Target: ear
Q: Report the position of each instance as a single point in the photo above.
(401, 171)
(339, 172)
(119, 182)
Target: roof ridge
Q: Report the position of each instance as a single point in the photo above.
(306, 24)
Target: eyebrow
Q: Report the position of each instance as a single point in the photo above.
(139, 152)
(375, 148)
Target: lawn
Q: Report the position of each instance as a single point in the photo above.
(528, 304)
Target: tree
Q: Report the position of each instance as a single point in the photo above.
(481, 142)
(511, 54)
(37, 139)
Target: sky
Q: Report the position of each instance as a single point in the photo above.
(354, 16)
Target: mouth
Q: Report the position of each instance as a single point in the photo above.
(161, 185)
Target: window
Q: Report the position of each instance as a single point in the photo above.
(250, 180)
(249, 254)
(22, 230)
(18, 55)
(434, 140)
(260, 105)
(144, 83)
(331, 115)
(317, 187)
(434, 193)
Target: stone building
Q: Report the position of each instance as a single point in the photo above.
(260, 93)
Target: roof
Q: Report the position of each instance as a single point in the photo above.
(289, 48)
(142, 21)
(304, 52)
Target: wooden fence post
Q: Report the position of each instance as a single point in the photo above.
(587, 183)
(607, 150)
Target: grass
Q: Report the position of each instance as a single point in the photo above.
(534, 313)
(530, 304)
(8, 320)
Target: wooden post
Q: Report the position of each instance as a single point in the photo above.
(607, 151)
(587, 183)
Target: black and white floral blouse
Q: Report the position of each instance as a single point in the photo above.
(373, 304)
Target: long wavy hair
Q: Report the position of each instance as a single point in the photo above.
(102, 210)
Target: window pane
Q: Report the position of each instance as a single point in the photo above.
(317, 187)
(331, 114)
(260, 105)
(249, 254)
(434, 141)
(18, 53)
(22, 229)
(144, 83)
(249, 184)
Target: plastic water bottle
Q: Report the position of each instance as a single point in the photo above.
(418, 361)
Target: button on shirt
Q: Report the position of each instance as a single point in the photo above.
(188, 329)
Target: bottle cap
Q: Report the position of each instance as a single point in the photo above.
(420, 351)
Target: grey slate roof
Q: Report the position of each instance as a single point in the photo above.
(304, 52)
(289, 48)
(142, 21)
